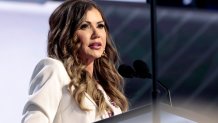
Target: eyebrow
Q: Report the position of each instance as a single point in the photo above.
(97, 22)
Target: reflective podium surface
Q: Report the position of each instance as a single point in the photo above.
(168, 114)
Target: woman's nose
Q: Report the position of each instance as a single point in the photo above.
(95, 33)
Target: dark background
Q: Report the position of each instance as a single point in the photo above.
(187, 51)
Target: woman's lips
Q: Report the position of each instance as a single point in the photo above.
(95, 45)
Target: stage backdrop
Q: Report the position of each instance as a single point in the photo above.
(187, 53)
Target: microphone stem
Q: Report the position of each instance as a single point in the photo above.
(168, 92)
(155, 101)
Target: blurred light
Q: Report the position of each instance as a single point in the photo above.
(187, 2)
(29, 1)
(28, 7)
(128, 0)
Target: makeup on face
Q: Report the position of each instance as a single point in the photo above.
(92, 35)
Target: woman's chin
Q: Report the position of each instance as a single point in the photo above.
(98, 56)
(95, 56)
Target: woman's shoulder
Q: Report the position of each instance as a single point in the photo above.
(50, 61)
(50, 65)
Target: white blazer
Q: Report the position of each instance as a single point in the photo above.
(50, 102)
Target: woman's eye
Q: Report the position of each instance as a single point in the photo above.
(84, 26)
(101, 26)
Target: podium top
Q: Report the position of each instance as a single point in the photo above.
(168, 114)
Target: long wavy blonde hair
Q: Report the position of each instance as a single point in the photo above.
(64, 46)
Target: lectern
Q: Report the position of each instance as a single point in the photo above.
(168, 114)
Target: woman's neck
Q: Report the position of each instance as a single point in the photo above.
(90, 67)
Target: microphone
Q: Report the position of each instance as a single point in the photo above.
(140, 70)
(126, 71)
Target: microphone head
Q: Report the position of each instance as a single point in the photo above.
(126, 71)
(141, 69)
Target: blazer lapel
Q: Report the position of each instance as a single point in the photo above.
(90, 99)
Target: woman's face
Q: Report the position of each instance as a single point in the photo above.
(92, 35)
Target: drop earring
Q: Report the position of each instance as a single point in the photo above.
(104, 54)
